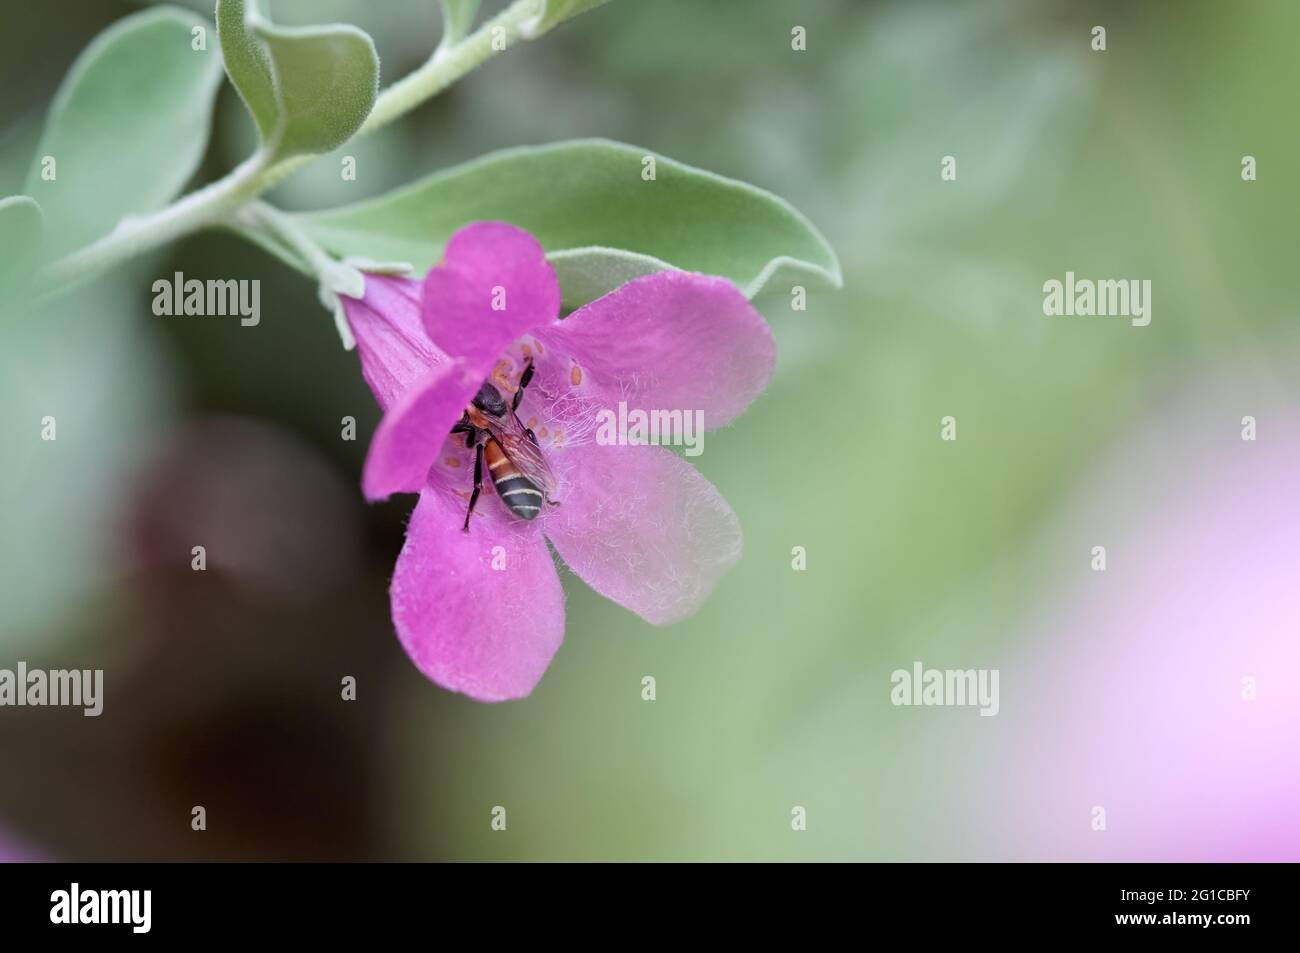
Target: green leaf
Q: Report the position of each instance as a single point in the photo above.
(457, 19)
(309, 88)
(104, 374)
(600, 222)
(21, 228)
(552, 13)
(127, 128)
(248, 64)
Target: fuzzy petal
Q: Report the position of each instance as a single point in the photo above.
(670, 341)
(488, 633)
(413, 431)
(395, 352)
(487, 264)
(642, 527)
(484, 263)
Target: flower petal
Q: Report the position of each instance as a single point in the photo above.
(642, 527)
(395, 352)
(669, 341)
(494, 284)
(487, 632)
(485, 264)
(413, 430)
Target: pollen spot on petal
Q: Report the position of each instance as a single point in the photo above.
(575, 375)
(542, 432)
(559, 438)
(526, 350)
(532, 423)
(453, 462)
(501, 376)
(538, 344)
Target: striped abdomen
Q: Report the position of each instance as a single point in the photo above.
(520, 495)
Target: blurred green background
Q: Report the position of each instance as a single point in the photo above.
(223, 687)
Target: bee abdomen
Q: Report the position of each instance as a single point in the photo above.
(520, 495)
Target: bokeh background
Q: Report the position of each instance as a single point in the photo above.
(1121, 690)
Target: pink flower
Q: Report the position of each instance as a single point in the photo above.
(482, 611)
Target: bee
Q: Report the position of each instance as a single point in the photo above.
(519, 471)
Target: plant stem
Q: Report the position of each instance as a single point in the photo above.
(260, 215)
(136, 235)
(221, 199)
(448, 64)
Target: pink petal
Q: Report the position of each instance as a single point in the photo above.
(642, 527)
(488, 633)
(484, 263)
(668, 341)
(494, 284)
(412, 432)
(394, 349)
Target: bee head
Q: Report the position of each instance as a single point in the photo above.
(488, 399)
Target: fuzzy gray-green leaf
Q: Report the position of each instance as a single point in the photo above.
(128, 126)
(599, 220)
(309, 89)
(21, 228)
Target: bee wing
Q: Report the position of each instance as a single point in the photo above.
(524, 454)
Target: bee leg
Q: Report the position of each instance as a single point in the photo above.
(524, 380)
(468, 429)
(478, 485)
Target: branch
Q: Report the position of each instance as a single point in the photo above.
(221, 199)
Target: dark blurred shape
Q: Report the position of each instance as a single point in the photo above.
(268, 511)
(222, 688)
